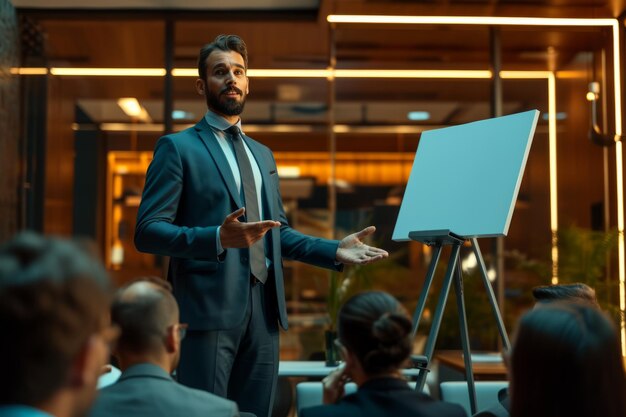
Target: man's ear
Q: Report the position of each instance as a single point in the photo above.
(172, 342)
(247, 85)
(87, 365)
(200, 86)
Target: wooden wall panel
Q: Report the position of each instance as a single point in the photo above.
(9, 121)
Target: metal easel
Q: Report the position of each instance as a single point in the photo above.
(438, 239)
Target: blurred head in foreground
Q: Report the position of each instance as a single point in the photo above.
(54, 313)
(566, 362)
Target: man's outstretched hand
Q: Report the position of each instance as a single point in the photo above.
(352, 250)
(236, 234)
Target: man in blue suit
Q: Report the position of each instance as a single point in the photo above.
(212, 203)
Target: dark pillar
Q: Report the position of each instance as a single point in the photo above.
(9, 122)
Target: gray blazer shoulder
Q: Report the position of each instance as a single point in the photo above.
(146, 390)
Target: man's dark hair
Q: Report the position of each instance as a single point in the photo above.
(143, 310)
(222, 43)
(53, 296)
(565, 292)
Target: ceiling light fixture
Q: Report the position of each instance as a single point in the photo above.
(418, 116)
(130, 105)
(132, 108)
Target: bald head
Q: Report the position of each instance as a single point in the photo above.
(144, 310)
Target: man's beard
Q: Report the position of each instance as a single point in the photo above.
(228, 107)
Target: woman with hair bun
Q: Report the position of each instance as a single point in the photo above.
(374, 338)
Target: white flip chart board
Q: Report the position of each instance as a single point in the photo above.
(466, 178)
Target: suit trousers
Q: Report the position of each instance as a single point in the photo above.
(240, 364)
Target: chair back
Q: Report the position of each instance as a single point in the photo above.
(458, 393)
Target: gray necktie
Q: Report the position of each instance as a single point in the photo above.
(257, 250)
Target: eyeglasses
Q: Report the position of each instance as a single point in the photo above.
(340, 348)
(338, 344)
(182, 330)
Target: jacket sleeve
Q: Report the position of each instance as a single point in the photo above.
(156, 231)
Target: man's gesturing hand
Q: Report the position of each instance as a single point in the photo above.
(352, 250)
(236, 234)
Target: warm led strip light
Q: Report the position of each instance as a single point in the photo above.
(467, 20)
(533, 21)
(281, 73)
(286, 73)
(348, 73)
(29, 71)
(109, 72)
(554, 220)
(619, 174)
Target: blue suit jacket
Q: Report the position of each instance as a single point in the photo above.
(147, 390)
(189, 191)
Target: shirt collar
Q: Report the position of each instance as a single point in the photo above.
(217, 122)
(385, 383)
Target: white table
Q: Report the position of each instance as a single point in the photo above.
(304, 368)
(317, 369)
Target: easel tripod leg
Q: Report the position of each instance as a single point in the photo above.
(460, 302)
(441, 304)
(421, 303)
(490, 295)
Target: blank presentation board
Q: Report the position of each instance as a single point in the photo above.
(466, 178)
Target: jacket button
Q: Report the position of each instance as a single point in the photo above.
(244, 260)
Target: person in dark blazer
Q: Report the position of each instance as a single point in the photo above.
(576, 293)
(212, 203)
(374, 339)
(566, 361)
(148, 351)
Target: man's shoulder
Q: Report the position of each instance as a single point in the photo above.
(182, 135)
(203, 396)
(144, 395)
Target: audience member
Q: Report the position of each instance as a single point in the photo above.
(566, 362)
(375, 342)
(576, 292)
(148, 351)
(54, 314)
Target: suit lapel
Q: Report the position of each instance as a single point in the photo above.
(210, 141)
